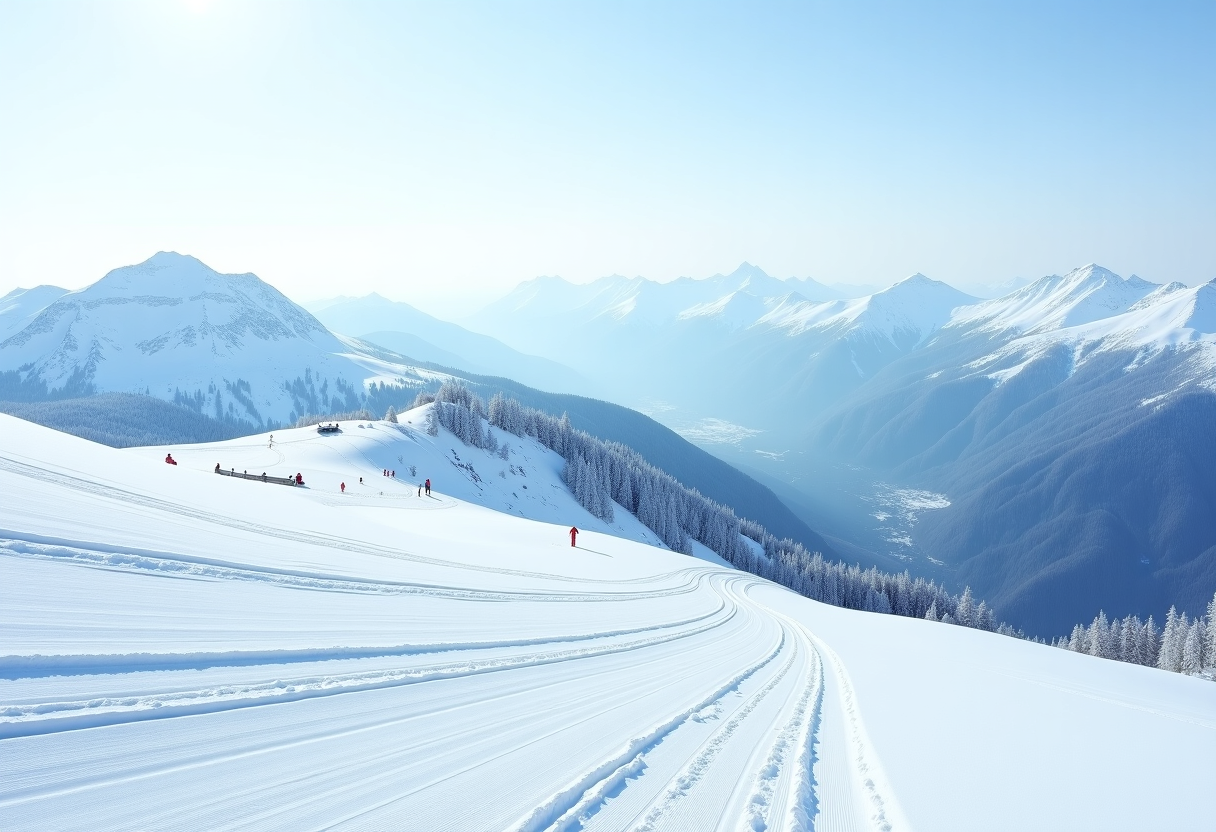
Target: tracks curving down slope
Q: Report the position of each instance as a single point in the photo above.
(217, 667)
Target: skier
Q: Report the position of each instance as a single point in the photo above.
(170, 460)
(573, 535)
(360, 480)
(393, 473)
(299, 479)
(217, 467)
(428, 486)
(343, 487)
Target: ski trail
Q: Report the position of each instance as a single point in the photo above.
(569, 806)
(35, 666)
(325, 733)
(838, 782)
(803, 800)
(782, 777)
(135, 560)
(854, 793)
(680, 786)
(52, 717)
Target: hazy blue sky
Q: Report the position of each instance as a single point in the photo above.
(450, 150)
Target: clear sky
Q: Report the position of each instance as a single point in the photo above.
(440, 153)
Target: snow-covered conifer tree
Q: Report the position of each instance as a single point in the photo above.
(1097, 636)
(1170, 657)
(965, 612)
(1210, 648)
(1192, 649)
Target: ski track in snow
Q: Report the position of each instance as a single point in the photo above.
(656, 698)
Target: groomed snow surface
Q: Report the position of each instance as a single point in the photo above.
(180, 650)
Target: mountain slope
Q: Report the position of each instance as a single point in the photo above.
(383, 660)
(20, 306)
(404, 329)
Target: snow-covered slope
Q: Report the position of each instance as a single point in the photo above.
(226, 345)
(188, 651)
(19, 306)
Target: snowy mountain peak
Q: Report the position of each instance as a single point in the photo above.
(1181, 318)
(747, 271)
(173, 327)
(1084, 295)
(905, 313)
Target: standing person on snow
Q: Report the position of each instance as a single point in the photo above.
(428, 486)
(573, 535)
(343, 487)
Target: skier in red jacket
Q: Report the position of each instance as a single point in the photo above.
(573, 535)
(343, 487)
(170, 460)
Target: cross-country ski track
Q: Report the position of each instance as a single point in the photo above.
(187, 651)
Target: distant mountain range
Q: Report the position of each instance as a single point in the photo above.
(403, 329)
(1061, 435)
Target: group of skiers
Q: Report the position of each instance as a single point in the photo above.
(391, 473)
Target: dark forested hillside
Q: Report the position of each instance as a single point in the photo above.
(668, 450)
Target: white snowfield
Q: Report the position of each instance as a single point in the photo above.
(180, 650)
